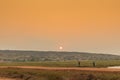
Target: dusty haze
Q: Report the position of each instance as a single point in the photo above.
(76, 25)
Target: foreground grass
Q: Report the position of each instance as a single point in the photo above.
(85, 63)
(30, 74)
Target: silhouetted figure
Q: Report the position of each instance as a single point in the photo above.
(79, 63)
(94, 64)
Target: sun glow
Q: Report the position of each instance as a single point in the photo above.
(60, 48)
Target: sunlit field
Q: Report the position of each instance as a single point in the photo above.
(83, 63)
(39, 74)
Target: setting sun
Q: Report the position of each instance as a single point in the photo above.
(60, 48)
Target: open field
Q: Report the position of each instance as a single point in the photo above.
(60, 70)
(68, 70)
(40, 74)
(84, 63)
(31, 65)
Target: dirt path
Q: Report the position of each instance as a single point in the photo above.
(6, 79)
(65, 68)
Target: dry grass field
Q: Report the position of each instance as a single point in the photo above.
(48, 73)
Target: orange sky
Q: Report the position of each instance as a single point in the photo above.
(77, 25)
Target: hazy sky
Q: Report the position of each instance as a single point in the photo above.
(77, 25)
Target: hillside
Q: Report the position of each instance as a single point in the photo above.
(12, 55)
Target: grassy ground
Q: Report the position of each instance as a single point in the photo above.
(29, 74)
(99, 63)
(32, 74)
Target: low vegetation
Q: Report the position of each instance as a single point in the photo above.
(36, 56)
(83, 63)
(57, 59)
(30, 74)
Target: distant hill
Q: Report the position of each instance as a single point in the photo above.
(12, 55)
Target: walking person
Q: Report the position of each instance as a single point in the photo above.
(78, 63)
(94, 64)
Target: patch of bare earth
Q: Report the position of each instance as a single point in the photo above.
(2, 78)
(65, 68)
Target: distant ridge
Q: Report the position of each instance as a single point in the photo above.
(24, 55)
